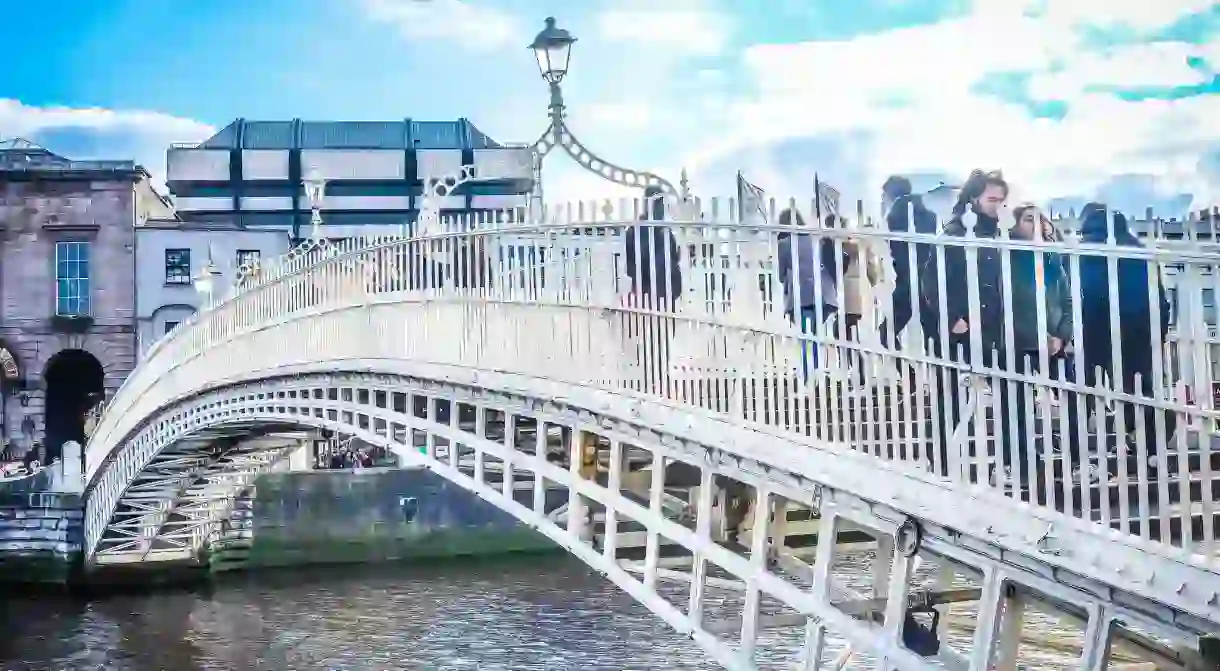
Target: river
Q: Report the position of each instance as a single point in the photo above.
(522, 614)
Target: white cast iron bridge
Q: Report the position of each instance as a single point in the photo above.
(500, 354)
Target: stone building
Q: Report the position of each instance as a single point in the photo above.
(68, 282)
(171, 254)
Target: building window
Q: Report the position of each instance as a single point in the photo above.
(170, 326)
(72, 279)
(177, 266)
(247, 256)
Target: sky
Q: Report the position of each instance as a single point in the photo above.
(1072, 99)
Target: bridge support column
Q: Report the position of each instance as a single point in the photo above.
(583, 465)
(510, 451)
(764, 507)
(614, 482)
(1012, 619)
(652, 549)
(1096, 655)
(703, 531)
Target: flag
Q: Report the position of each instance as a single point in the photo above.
(827, 198)
(750, 199)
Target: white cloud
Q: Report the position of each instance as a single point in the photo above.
(627, 115)
(143, 135)
(20, 120)
(818, 89)
(1155, 64)
(472, 26)
(690, 31)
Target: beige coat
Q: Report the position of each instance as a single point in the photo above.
(859, 276)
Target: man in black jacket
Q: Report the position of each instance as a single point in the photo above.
(652, 255)
(653, 264)
(907, 213)
(1033, 280)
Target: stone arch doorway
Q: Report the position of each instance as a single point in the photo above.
(10, 385)
(74, 383)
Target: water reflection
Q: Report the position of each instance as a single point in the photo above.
(533, 614)
(519, 615)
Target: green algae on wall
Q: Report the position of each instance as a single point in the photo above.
(367, 516)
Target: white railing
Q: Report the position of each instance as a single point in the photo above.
(1001, 409)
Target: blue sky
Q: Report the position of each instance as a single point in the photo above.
(1072, 98)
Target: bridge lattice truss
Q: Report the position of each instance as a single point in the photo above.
(504, 355)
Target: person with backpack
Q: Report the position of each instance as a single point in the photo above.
(808, 272)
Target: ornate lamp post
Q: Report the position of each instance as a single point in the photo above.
(315, 191)
(553, 49)
(205, 281)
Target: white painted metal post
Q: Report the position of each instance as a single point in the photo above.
(510, 453)
(987, 624)
(703, 530)
(760, 534)
(1096, 654)
(1012, 620)
(540, 438)
(615, 485)
(578, 508)
(480, 430)
(652, 549)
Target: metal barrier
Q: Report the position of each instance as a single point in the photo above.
(1044, 368)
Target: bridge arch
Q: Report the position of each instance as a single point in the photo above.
(338, 321)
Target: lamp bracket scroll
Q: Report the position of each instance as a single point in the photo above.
(560, 135)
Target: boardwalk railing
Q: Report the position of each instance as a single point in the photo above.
(1072, 373)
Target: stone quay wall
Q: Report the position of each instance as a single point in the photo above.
(368, 515)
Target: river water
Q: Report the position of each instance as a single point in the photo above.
(522, 614)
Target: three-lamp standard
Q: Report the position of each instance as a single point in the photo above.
(205, 281)
(553, 49)
(315, 191)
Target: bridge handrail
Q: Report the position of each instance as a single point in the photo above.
(364, 272)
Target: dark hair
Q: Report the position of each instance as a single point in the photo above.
(975, 185)
(791, 217)
(654, 203)
(896, 186)
(1096, 221)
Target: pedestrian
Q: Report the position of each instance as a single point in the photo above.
(906, 213)
(1142, 332)
(808, 272)
(653, 263)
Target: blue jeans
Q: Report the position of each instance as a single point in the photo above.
(809, 326)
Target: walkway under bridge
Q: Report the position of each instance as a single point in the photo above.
(979, 491)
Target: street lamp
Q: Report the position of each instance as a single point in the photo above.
(315, 191)
(205, 281)
(553, 49)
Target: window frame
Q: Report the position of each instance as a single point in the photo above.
(172, 269)
(82, 280)
(242, 254)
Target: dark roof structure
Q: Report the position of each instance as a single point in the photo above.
(18, 155)
(401, 134)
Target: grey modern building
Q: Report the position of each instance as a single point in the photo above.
(67, 277)
(170, 254)
(250, 173)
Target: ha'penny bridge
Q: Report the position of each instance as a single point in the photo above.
(710, 453)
